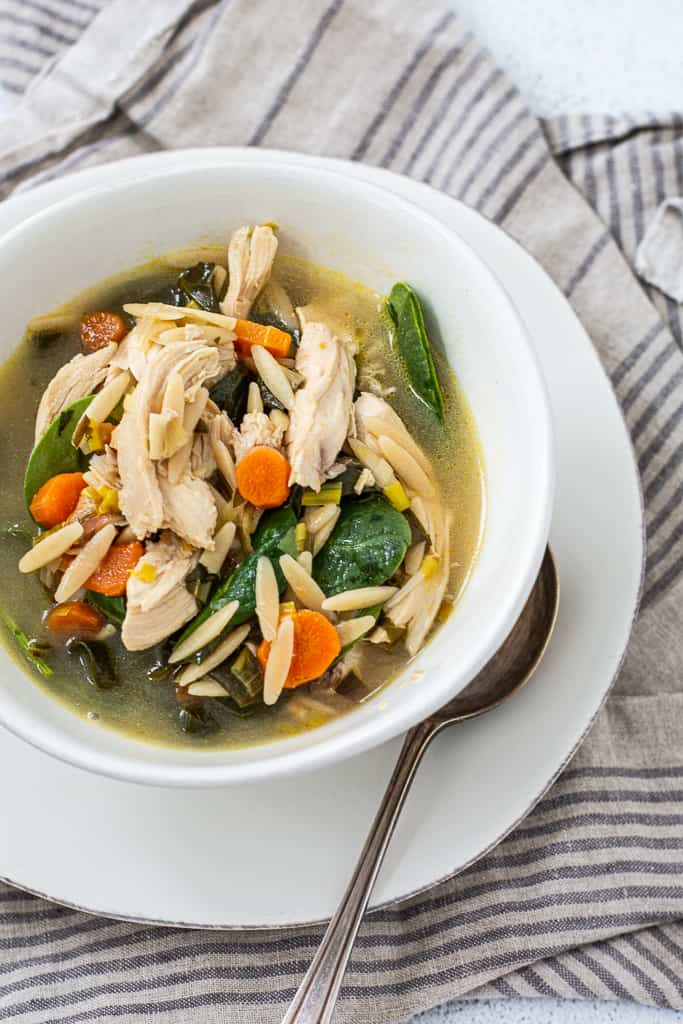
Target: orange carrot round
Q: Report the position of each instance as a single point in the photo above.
(316, 645)
(98, 329)
(111, 575)
(57, 498)
(74, 617)
(263, 477)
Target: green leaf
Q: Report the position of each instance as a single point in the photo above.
(197, 283)
(231, 392)
(274, 537)
(55, 453)
(365, 548)
(114, 608)
(403, 306)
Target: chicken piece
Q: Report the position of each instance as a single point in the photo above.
(250, 259)
(202, 459)
(103, 471)
(81, 376)
(321, 416)
(189, 508)
(140, 498)
(155, 610)
(256, 429)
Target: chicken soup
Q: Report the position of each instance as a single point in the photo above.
(241, 493)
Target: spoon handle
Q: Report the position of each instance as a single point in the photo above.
(317, 994)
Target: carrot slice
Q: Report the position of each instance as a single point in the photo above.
(111, 576)
(74, 617)
(98, 329)
(57, 498)
(263, 477)
(248, 333)
(316, 645)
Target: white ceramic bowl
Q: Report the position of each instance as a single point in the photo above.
(377, 238)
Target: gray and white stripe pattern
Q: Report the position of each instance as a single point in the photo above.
(585, 898)
(33, 33)
(626, 167)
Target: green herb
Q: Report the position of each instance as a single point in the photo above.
(329, 494)
(404, 309)
(55, 453)
(275, 536)
(244, 681)
(365, 548)
(94, 662)
(231, 392)
(114, 608)
(268, 398)
(197, 284)
(195, 719)
(27, 646)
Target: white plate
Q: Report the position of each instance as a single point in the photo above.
(172, 856)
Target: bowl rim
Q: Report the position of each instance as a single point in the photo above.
(277, 760)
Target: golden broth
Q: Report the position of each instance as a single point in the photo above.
(146, 709)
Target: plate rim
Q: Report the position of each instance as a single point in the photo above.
(374, 174)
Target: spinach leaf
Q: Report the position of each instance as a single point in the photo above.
(365, 548)
(404, 309)
(231, 392)
(55, 453)
(268, 398)
(274, 537)
(197, 283)
(94, 661)
(114, 608)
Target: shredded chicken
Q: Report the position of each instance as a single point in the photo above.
(202, 459)
(103, 470)
(81, 376)
(156, 609)
(141, 499)
(189, 508)
(320, 419)
(256, 428)
(250, 259)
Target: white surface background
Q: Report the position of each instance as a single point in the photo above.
(576, 56)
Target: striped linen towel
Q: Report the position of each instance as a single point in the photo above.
(585, 898)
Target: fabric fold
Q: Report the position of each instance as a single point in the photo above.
(584, 899)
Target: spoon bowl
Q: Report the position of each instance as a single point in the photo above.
(516, 659)
(501, 677)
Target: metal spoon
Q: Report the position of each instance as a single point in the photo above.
(503, 675)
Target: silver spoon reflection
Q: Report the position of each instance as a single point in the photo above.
(502, 676)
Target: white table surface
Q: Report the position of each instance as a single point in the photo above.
(602, 56)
